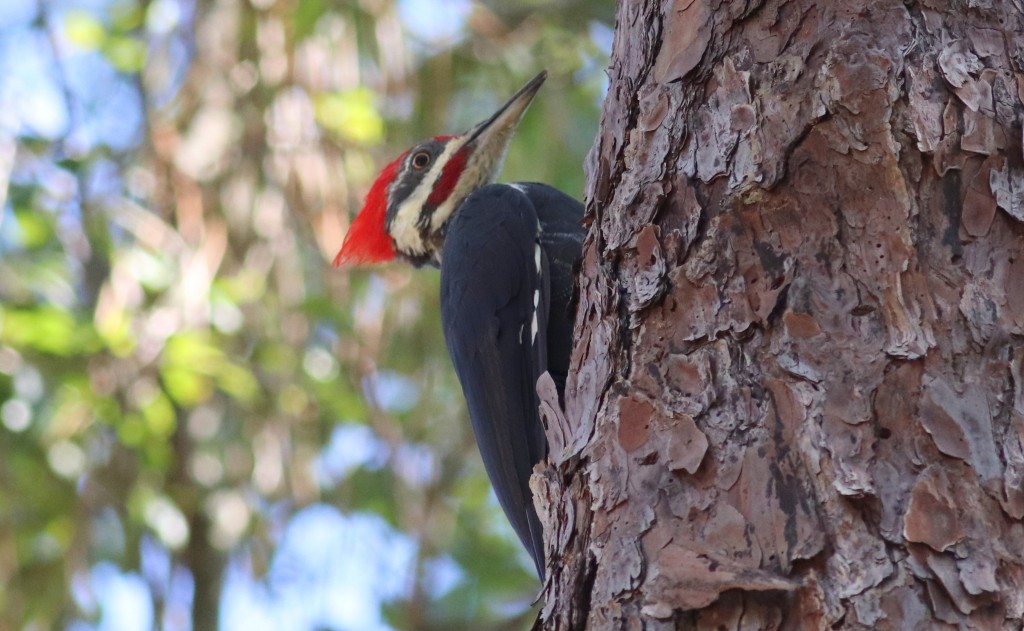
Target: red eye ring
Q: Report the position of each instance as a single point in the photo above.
(421, 159)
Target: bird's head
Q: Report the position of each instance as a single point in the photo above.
(406, 210)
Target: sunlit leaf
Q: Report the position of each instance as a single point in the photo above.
(238, 382)
(114, 326)
(84, 30)
(126, 53)
(126, 15)
(351, 114)
(185, 385)
(192, 349)
(159, 416)
(246, 286)
(189, 368)
(34, 228)
(47, 329)
(131, 430)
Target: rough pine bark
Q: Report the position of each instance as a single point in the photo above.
(797, 398)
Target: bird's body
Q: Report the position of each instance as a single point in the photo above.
(507, 254)
(506, 323)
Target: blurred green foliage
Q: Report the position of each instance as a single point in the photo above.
(176, 352)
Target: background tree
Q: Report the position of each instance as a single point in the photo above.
(799, 387)
(202, 425)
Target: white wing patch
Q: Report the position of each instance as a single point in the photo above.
(536, 292)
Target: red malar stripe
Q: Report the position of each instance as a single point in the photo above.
(450, 174)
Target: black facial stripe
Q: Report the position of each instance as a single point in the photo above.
(409, 178)
(426, 217)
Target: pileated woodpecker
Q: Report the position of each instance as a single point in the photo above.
(506, 253)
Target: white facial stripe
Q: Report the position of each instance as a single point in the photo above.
(405, 229)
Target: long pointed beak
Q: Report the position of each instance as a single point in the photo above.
(508, 115)
(490, 139)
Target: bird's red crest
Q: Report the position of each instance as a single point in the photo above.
(367, 240)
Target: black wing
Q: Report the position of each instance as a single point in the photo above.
(494, 311)
(561, 237)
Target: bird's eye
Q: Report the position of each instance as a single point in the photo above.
(421, 160)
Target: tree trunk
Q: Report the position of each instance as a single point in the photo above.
(798, 389)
